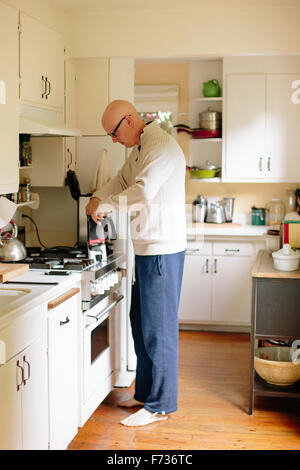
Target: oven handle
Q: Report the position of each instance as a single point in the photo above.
(107, 309)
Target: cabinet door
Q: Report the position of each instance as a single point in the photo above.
(195, 300)
(70, 95)
(9, 114)
(91, 94)
(10, 405)
(245, 127)
(41, 64)
(35, 396)
(282, 129)
(231, 289)
(62, 367)
(70, 153)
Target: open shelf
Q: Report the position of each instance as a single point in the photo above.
(219, 98)
(207, 180)
(208, 139)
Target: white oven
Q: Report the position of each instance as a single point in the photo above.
(99, 348)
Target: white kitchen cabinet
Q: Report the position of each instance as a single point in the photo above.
(231, 289)
(52, 157)
(23, 377)
(282, 149)
(99, 81)
(220, 281)
(197, 283)
(9, 83)
(261, 136)
(41, 64)
(92, 93)
(63, 360)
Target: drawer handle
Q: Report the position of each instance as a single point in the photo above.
(64, 322)
(22, 372)
(45, 86)
(62, 298)
(28, 365)
(235, 250)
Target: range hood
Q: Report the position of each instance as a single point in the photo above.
(41, 128)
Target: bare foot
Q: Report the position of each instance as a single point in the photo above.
(142, 418)
(130, 403)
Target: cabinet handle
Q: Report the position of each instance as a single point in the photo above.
(49, 89)
(260, 164)
(22, 372)
(64, 322)
(45, 86)
(235, 250)
(206, 266)
(215, 266)
(71, 158)
(62, 298)
(28, 365)
(269, 164)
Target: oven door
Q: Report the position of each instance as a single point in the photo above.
(99, 327)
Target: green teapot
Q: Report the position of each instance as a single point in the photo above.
(211, 89)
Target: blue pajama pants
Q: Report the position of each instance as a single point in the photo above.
(154, 323)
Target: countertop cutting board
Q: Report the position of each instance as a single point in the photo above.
(10, 270)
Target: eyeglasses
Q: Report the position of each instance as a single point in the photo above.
(113, 133)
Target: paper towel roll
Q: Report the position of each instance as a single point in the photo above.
(7, 211)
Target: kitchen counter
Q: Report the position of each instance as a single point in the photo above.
(226, 229)
(264, 268)
(32, 289)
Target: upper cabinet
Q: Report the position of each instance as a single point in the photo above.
(262, 116)
(99, 81)
(92, 94)
(41, 64)
(9, 118)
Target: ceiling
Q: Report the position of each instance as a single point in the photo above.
(90, 6)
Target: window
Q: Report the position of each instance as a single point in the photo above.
(158, 102)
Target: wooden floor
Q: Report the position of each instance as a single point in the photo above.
(212, 406)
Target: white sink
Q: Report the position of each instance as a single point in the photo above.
(9, 295)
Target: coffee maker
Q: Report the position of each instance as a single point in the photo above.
(98, 238)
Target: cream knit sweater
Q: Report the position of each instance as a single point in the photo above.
(151, 186)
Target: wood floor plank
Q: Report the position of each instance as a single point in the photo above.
(212, 406)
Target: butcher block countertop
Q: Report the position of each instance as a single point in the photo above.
(9, 271)
(264, 267)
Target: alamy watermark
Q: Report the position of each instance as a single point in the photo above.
(295, 97)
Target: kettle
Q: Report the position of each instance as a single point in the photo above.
(96, 243)
(211, 89)
(11, 249)
(215, 213)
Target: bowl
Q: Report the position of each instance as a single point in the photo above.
(275, 366)
(286, 259)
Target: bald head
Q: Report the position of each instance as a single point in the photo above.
(132, 125)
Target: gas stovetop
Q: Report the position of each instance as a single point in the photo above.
(58, 258)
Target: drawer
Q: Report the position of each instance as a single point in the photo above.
(198, 248)
(21, 332)
(232, 249)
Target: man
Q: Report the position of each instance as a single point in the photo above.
(152, 182)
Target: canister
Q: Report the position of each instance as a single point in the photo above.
(258, 216)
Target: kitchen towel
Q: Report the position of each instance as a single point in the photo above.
(102, 173)
(7, 211)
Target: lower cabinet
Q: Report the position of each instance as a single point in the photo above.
(23, 379)
(216, 286)
(63, 315)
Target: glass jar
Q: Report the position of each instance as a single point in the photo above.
(276, 212)
(290, 201)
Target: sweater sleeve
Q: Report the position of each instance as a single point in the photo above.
(116, 185)
(157, 168)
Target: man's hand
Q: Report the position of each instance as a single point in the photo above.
(92, 209)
